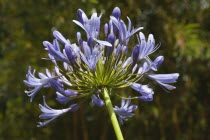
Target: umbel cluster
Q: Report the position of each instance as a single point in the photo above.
(84, 68)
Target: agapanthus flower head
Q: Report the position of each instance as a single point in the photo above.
(83, 69)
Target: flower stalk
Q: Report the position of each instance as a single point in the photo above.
(112, 114)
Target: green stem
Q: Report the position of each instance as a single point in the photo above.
(112, 115)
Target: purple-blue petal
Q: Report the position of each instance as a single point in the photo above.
(135, 54)
(116, 13)
(96, 101)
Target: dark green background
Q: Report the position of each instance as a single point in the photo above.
(182, 27)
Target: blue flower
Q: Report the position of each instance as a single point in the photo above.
(62, 79)
(65, 97)
(57, 85)
(164, 79)
(148, 47)
(52, 114)
(157, 62)
(91, 26)
(62, 99)
(125, 110)
(54, 50)
(96, 101)
(91, 57)
(111, 39)
(37, 83)
(106, 28)
(149, 65)
(70, 54)
(143, 69)
(118, 50)
(87, 66)
(116, 13)
(147, 93)
(127, 62)
(61, 38)
(124, 32)
(135, 54)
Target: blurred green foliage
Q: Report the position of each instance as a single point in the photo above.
(182, 27)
